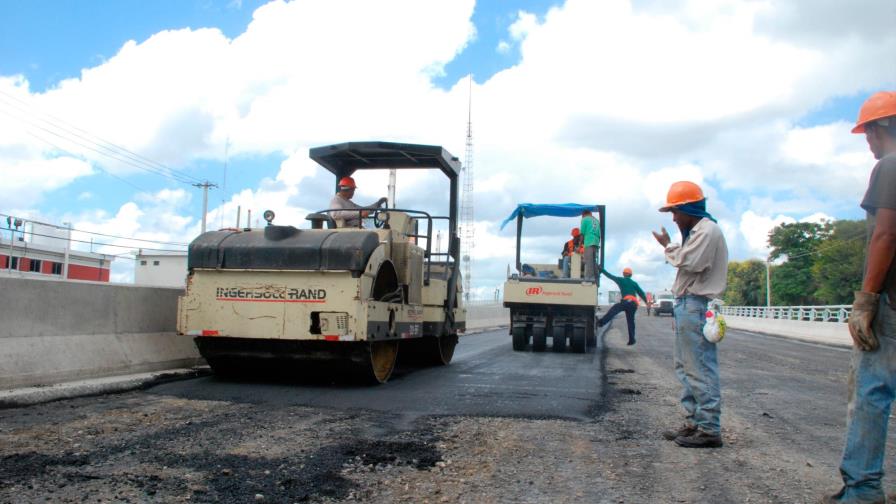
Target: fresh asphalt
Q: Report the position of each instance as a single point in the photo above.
(485, 378)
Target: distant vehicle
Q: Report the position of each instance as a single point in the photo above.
(665, 301)
(651, 301)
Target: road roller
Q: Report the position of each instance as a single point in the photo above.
(543, 303)
(327, 297)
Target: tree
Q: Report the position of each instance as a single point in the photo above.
(746, 283)
(839, 262)
(792, 281)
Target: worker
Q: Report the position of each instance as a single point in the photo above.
(353, 212)
(630, 291)
(572, 246)
(702, 262)
(590, 228)
(872, 323)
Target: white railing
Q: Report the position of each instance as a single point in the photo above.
(831, 313)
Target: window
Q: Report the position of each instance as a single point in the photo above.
(142, 263)
(155, 263)
(34, 266)
(57, 268)
(15, 263)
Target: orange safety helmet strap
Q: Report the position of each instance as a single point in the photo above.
(878, 106)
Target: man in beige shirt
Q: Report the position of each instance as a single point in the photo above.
(702, 262)
(353, 213)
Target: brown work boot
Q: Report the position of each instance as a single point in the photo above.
(684, 430)
(839, 498)
(699, 439)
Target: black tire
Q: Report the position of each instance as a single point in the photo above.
(591, 335)
(558, 339)
(520, 340)
(578, 340)
(539, 339)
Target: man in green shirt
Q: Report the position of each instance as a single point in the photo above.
(590, 229)
(629, 304)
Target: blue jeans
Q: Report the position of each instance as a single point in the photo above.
(629, 307)
(566, 266)
(872, 388)
(696, 365)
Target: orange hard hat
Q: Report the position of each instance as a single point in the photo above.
(682, 192)
(346, 183)
(576, 232)
(880, 105)
(627, 271)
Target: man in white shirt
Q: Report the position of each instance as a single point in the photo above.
(702, 262)
(353, 213)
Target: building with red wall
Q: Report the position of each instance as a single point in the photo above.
(44, 261)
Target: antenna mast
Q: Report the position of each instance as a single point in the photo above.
(466, 202)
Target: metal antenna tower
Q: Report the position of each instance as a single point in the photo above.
(466, 202)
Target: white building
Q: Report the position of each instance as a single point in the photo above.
(42, 251)
(161, 269)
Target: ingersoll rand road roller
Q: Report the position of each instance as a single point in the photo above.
(543, 302)
(332, 298)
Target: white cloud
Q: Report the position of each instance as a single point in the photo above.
(610, 103)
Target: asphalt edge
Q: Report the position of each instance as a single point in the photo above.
(30, 396)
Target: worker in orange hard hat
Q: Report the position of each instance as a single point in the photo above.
(702, 262)
(349, 212)
(872, 322)
(630, 291)
(572, 246)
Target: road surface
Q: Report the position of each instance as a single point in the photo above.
(494, 426)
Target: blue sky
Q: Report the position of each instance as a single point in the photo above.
(573, 101)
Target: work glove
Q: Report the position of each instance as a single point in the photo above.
(864, 309)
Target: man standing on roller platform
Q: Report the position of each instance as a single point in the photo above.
(872, 323)
(590, 229)
(702, 262)
(629, 304)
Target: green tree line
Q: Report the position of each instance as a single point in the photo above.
(812, 264)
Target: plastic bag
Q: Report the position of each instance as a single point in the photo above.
(714, 329)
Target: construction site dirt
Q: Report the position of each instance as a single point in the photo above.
(494, 426)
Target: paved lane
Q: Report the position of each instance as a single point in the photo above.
(485, 378)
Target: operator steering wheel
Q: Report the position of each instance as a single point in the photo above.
(381, 216)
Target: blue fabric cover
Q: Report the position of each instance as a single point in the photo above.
(552, 210)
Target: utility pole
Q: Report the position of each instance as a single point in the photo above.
(205, 185)
(392, 188)
(466, 204)
(68, 247)
(768, 282)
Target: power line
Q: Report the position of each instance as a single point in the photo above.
(103, 147)
(98, 167)
(98, 244)
(157, 242)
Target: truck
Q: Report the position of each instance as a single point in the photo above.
(543, 304)
(331, 298)
(665, 302)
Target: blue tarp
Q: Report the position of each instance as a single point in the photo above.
(552, 210)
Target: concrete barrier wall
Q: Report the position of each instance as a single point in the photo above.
(54, 331)
(831, 333)
(483, 316)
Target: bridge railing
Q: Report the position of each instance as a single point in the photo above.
(830, 313)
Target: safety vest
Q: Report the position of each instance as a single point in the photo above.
(569, 248)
